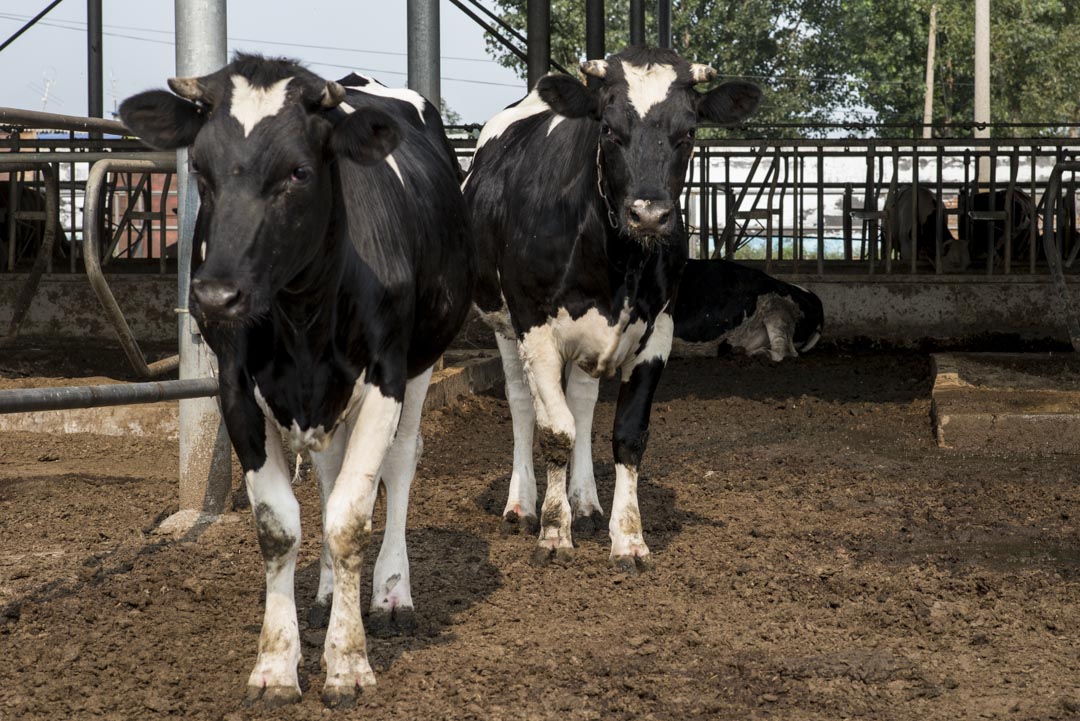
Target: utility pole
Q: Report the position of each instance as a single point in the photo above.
(931, 45)
(538, 39)
(423, 49)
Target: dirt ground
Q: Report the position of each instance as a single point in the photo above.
(817, 557)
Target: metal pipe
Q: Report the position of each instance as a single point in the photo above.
(538, 31)
(637, 22)
(205, 453)
(26, 400)
(982, 79)
(26, 119)
(95, 96)
(663, 23)
(7, 159)
(29, 24)
(594, 29)
(423, 49)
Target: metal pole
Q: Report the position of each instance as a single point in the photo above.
(538, 32)
(982, 79)
(594, 29)
(29, 24)
(637, 22)
(928, 104)
(205, 453)
(663, 23)
(95, 99)
(26, 400)
(423, 50)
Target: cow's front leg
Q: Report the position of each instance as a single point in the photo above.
(348, 531)
(582, 391)
(543, 365)
(327, 465)
(520, 510)
(391, 595)
(274, 681)
(639, 380)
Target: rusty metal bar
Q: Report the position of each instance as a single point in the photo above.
(27, 119)
(92, 258)
(26, 400)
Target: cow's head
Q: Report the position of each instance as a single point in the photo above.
(646, 110)
(263, 134)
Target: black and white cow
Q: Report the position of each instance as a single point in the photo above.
(724, 306)
(574, 195)
(920, 237)
(337, 269)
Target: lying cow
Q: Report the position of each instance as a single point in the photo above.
(724, 305)
(902, 235)
(980, 235)
(337, 269)
(574, 194)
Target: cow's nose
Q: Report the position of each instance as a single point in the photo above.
(217, 298)
(650, 216)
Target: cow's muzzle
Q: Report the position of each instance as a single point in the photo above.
(650, 217)
(219, 300)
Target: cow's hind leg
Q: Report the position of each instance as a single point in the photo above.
(327, 465)
(543, 367)
(582, 391)
(348, 532)
(277, 520)
(391, 595)
(520, 511)
(639, 380)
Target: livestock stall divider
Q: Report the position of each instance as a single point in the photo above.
(55, 398)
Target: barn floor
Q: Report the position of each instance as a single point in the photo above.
(817, 557)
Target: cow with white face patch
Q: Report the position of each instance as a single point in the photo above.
(574, 199)
(337, 268)
(725, 306)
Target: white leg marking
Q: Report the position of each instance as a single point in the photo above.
(582, 391)
(277, 517)
(391, 588)
(625, 524)
(327, 465)
(348, 531)
(251, 104)
(521, 498)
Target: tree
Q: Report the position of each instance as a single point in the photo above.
(858, 60)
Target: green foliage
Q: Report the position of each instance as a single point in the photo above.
(856, 60)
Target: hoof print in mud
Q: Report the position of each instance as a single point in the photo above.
(632, 565)
(387, 624)
(271, 697)
(588, 526)
(513, 524)
(543, 555)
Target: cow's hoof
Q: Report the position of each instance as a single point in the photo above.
(513, 524)
(401, 621)
(340, 696)
(588, 526)
(318, 615)
(560, 555)
(631, 565)
(272, 697)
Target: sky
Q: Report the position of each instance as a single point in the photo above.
(331, 37)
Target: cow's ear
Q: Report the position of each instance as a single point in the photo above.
(366, 136)
(729, 103)
(567, 96)
(163, 120)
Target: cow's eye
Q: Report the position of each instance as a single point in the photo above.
(608, 133)
(301, 174)
(687, 138)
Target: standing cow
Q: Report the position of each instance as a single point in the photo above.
(574, 194)
(337, 268)
(724, 305)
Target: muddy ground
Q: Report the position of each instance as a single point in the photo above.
(817, 557)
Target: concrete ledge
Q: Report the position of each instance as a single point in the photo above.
(1007, 402)
(464, 373)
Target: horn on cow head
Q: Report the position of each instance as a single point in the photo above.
(595, 68)
(188, 88)
(702, 73)
(332, 95)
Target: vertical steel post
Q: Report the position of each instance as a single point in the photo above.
(423, 51)
(982, 79)
(594, 33)
(637, 22)
(205, 452)
(663, 23)
(538, 36)
(95, 101)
